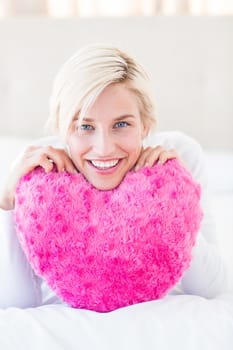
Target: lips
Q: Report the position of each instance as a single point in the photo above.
(104, 165)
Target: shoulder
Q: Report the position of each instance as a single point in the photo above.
(49, 141)
(178, 140)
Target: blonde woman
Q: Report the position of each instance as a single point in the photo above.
(101, 111)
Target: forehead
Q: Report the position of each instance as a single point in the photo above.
(116, 98)
(116, 101)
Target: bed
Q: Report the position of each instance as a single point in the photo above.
(31, 53)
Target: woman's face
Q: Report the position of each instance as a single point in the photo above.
(107, 143)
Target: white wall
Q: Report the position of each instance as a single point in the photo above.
(189, 60)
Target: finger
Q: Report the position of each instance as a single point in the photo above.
(47, 157)
(166, 155)
(149, 156)
(144, 159)
(61, 159)
(46, 163)
(141, 160)
(53, 155)
(29, 160)
(153, 156)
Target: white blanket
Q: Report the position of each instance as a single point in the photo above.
(177, 322)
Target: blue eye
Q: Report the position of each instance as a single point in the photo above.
(121, 124)
(86, 127)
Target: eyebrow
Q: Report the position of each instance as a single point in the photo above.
(122, 117)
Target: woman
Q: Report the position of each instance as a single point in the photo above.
(102, 111)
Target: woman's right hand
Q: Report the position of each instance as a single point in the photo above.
(32, 157)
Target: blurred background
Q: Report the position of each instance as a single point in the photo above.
(185, 45)
(93, 8)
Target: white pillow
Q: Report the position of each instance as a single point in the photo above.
(219, 166)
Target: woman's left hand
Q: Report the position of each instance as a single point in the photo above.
(151, 155)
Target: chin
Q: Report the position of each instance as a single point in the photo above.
(105, 186)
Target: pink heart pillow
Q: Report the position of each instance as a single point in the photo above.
(102, 250)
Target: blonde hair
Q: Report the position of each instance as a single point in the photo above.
(86, 74)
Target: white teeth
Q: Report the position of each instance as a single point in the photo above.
(104, 164)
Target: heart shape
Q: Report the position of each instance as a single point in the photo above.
(102, 250)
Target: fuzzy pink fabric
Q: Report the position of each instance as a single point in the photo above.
(102, 250)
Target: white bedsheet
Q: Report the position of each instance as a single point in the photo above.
(176, 322)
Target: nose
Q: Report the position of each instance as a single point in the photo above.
(104, 144)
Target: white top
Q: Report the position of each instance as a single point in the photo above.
(206, 276)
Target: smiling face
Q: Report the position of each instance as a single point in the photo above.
(108, 141)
